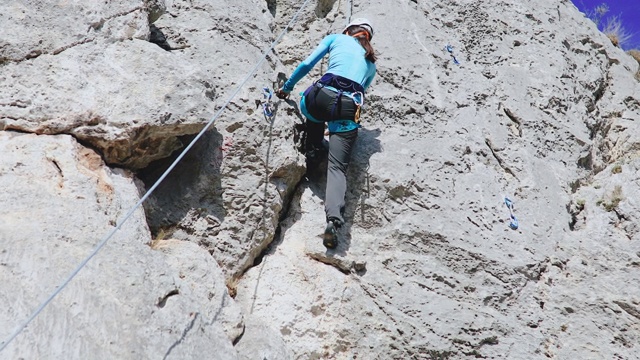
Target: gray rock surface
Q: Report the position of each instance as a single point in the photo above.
(536, 110)
(202, 278)
(260, 341)
(129, 301)
(228, 194)
(159, 96)
(541, 108)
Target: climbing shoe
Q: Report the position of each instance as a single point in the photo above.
(330, 240)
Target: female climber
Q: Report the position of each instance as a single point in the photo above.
(336, 99)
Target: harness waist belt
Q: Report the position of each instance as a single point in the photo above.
(341, 83)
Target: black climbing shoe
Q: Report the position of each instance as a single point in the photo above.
(330, 240)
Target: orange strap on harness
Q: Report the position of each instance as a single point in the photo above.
(358, 100)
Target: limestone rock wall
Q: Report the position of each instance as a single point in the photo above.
(540, 109)
(105, 80)
(225, 261)
(130, 301)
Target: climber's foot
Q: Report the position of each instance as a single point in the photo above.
(330, 239)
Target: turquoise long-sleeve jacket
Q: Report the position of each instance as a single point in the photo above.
(346, 59)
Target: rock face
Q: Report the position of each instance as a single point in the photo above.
(430, 268)
(130, 301)
(166, 96)
(531, 103)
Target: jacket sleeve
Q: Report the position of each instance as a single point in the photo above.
(308, 64)
(370, 76)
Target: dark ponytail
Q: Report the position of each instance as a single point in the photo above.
(364, 38)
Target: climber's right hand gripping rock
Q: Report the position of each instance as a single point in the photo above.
(282, 94)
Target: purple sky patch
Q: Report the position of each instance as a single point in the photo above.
(627, 10)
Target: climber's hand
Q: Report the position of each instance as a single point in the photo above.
(282, 94)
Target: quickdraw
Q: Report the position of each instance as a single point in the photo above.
(514, 222)
(267, 106)
(449, 48)
(358, 100)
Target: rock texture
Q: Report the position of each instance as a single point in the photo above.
(158, 96)
(534, 111)
(130, 301)
(532, 103)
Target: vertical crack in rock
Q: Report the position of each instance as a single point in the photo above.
(56, 165)
(517, 121)
(277, 237)
(237, 339)
(267, 242)
(185, 332)
(265, 193)
(324, 7)
(272, 6)
(599, 92)
(501, 162)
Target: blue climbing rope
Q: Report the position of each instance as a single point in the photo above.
(104, 241)
(513, 224)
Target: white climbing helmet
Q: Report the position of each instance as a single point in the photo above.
(362, 22)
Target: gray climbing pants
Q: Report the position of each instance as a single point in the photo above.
(340, 147)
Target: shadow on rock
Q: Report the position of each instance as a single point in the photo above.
(358, 190)
(193, 185)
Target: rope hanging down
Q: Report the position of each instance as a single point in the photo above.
(104, 241)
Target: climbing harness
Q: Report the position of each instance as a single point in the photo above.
(119, 224)
(514, 222)
(449, 49)
(335, 87)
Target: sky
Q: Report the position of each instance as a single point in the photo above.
(627, 10)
